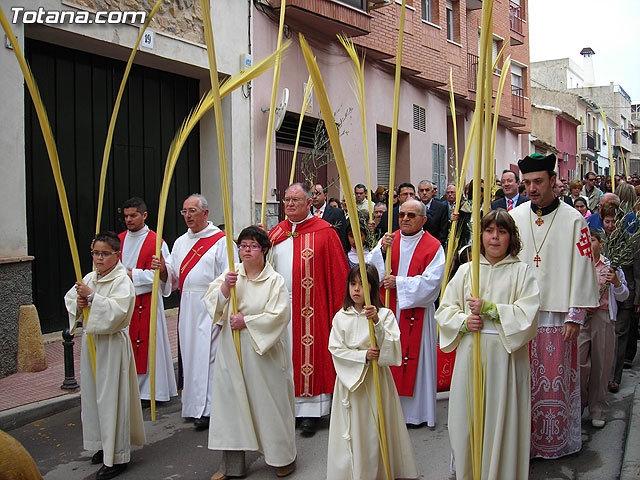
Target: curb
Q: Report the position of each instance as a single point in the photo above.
(631, 458)
(20, 416)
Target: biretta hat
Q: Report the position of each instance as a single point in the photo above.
(536, 162)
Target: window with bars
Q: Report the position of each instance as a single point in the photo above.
(419, 118)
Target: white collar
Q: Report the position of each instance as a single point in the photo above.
(303, 220)
(207, 231)
(143, 231)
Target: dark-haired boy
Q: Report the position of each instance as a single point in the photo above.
(111, 412)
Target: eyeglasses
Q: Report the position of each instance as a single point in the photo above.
(103, 254)
(190, 211)
(293, 200)
(253, 246)
(410, 215)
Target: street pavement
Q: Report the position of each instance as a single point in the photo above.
(174, 450)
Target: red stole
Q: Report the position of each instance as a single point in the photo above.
(189, 261)
(139, 325)
(410, 321)
(319, 275)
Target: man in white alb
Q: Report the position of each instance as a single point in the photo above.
(137, 250)
(417, 270)
(198, 258)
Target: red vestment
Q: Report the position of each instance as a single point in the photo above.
(410, 320)
(319, 277)
(139, 326)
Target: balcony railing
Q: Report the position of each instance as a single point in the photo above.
(515, 16)
(517, 101)
(472, 71)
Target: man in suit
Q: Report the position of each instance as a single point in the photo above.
(405, 192)
(511, 188)
(319, 208)
(437, 212)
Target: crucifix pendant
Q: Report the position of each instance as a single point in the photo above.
(537, 259)
(539, 221)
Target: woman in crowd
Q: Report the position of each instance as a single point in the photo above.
(582, 206)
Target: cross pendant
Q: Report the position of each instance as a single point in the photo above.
(539, 221)
(537, 259)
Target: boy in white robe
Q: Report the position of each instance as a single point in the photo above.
(354, 451)
(111, 412)
(506, 316)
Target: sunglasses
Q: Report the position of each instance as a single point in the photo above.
(410, 215)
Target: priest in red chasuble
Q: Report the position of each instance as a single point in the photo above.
(557, 246)
(417, 270)
(138, 247)
(308, 254)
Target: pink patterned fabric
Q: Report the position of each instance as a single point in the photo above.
(555, 395)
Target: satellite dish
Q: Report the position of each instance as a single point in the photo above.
(281, 109)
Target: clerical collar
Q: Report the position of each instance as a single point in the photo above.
(143, 231)
(419, 232)
(545, 210)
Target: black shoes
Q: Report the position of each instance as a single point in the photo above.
(309, 426)
(97, 458)
(110, 472)
(201, 423)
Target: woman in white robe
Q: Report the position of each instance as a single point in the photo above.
(354, 451)
(111, 412)
(252, 407)
(506, 316)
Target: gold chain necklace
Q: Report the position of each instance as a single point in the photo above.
(537, 258)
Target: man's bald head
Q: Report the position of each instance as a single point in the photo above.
(606, 197)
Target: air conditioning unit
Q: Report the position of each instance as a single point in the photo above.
(373, 4)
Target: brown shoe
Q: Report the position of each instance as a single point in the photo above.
(286, 470)
(218, 476)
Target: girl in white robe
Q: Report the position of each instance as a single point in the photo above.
(506, 316)
(252, 406)
(354, 451)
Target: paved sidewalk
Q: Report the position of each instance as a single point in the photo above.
(22, 391)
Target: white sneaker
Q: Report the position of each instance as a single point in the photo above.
(597, 423)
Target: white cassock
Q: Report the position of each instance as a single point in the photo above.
(111, 412)
(504, 339)
(143, 283)
(198, 335)
(253, 405)
(418, 292)
(281, 258)
(354, 451)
